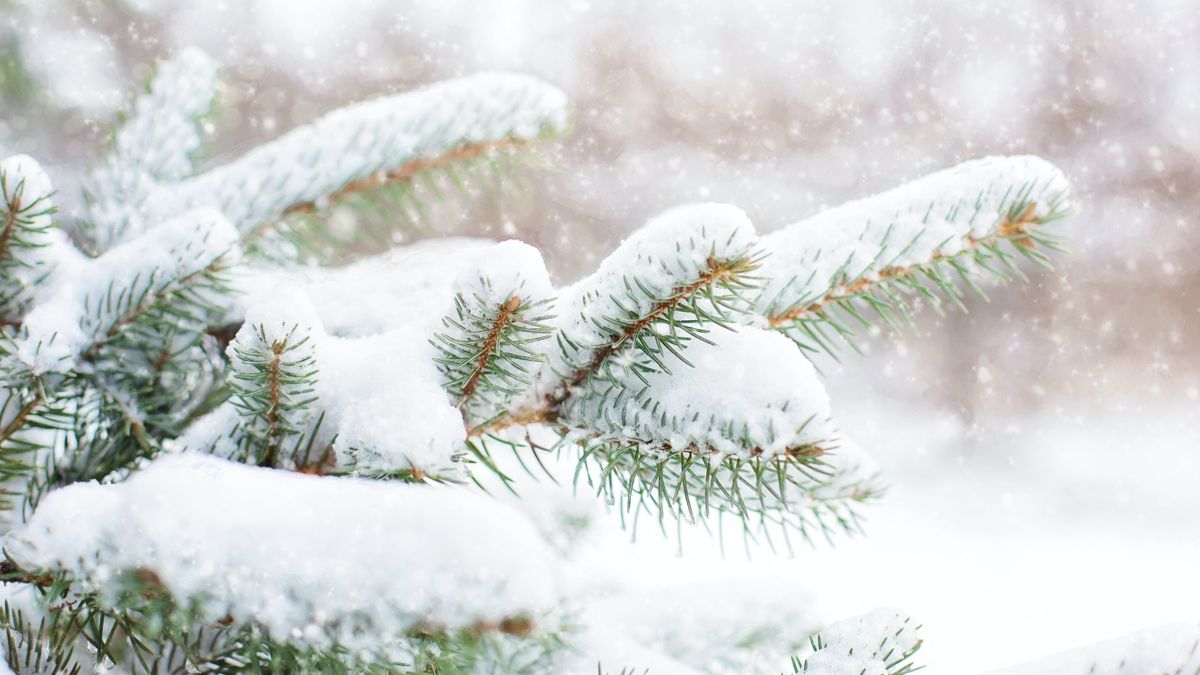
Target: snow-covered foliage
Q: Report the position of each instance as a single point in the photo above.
(157, 144)
(880, 643)
(102, 300)
(666, 382)
(369, 143)
(926, 237)
(25, 216)
(310, 559)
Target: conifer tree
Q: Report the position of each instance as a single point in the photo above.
(220, 456)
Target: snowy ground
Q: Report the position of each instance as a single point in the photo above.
(1064, 529)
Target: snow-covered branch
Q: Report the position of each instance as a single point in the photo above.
(370, 144)
(867, 257)
(312, 560)
(25, 233)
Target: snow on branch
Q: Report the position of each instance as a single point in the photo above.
(156, 144)
(273, 374)
(127, 297)
(1173, 648)
(670, 284)
(882, 642)
(749, 393)
(370, 144)
(487, 350)
(311, 560)
(25, 233)
(370, 390)
(865, 257)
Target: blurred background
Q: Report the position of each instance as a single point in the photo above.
(1044, 448)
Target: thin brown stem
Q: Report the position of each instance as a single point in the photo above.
(717, 270)
(10, 572)
(268, 458)
(10, 224)
(489, 346)
(23, 414)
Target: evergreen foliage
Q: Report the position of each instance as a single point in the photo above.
(673, 381)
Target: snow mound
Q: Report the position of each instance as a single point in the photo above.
(311, 559)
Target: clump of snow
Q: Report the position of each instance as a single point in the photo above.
(154, 145)
(311, 559)
(280, 309)
(90, 299)
(507, 268)
(934, 216)
(408, 284)
(378, 388)
(750, 391)
(383, 395)
(366, 140)
(1167, 649)
(671, 251)
(864, 645)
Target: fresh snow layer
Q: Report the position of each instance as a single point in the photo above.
(77, 310)
(672, 250)
(1173, 649)
(933, 216)
(370, 325)
(752, 390)
(505, 269)
(367, 140)
(308, 558)
(864, 645)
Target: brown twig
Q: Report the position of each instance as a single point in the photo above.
(268, 458)
(16, 423)
(10, 572)
(10, 224)
(489, 346)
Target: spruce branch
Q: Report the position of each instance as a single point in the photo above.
(796, 491)
(681, 315)
(408, 172)
(869, 259)
(389, 140)
(487, 351)
(44, 646)
(273, 380)
(156, 144)
(155, 305)
(25, 226)
(1015, 231)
